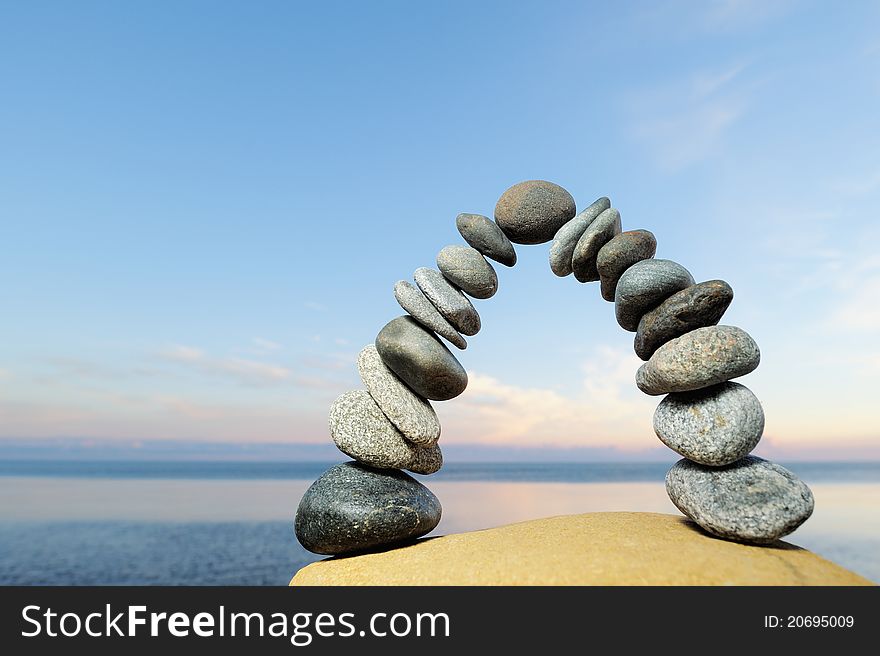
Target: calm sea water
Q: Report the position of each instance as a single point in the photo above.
(229, 523)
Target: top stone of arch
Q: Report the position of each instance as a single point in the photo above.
(531, 212)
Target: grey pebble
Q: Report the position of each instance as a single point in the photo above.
(532, 212)
(750, 500)
(353, 508)
(693, 307)
(484, 234)
(567, 237)
(621, 253)
(467, 269)
(645, 285)
(412, 415)
(422, 310)
(597, 234)
(700, 358)
(451, 303)
(420, 360)
(361, 430)
(714, 426)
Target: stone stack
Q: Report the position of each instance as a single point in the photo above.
(391, 426)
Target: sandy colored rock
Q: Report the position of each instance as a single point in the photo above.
(620, 548)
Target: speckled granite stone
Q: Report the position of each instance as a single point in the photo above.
(449, 301)
(422, 310)
(467, 269)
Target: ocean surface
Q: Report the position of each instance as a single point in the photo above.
(230, 523)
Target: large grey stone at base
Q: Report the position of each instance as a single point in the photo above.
(714, 426)
(420, 360)
(751, 500)
(484, 234)
(449, 301)
(361, 430)
(412, 415)
(645, 285)
(698, 359)
(467, 269)
(693, 307)
(566, 238)
(597, 234)
(414, 301)
(532, 212)
(353, 508)
(621, 253)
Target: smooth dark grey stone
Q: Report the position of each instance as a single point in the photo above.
(422, 310)
(353, 508)
(621, 253)
(532, 212)
(484, 234)
(361, 430)
(467, 269)
(644, 286)
(750, 500)
(597, 234)
(693, 307)
(698, 359)
(566, 238)
(412, 415)
(714, 426)
(420, 360)
(449, 301)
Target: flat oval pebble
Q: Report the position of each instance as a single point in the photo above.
(361, 430)
(353, 508)
(700, 358)
(467, 269)
(484, 234)
(597, 234)
(532, 212)
(420, 360)
(620, 254)
(644, 286)
(422, 310)
(693, 307)
(412, 415)
(566, 238)
(751, 500)
(714, 426)
(450, 303)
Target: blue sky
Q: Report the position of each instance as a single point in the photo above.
(204, 207)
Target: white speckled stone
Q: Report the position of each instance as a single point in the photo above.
(412, 415)
(467, 269)
(597, 234)
(361, 430)
(567, 237)
(449, 301)
(714, 426)
(750, 500)
(422, 310)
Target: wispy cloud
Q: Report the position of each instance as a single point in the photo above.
(265, 345)
(730, 15)
(315, 306)
(241, 370)
(858, 185)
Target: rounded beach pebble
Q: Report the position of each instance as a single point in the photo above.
(751, 500)
(566, 238)
(713, 426)
(412, 415)
(484, 234)
(621, 253)
(597, 234)
(421, 360)
(353, 508)
(450, 303)
(422, 310)
(645, 285)
(467, 269)
(361, 430)
(532, 212)
(694, 307)
(700, 358)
